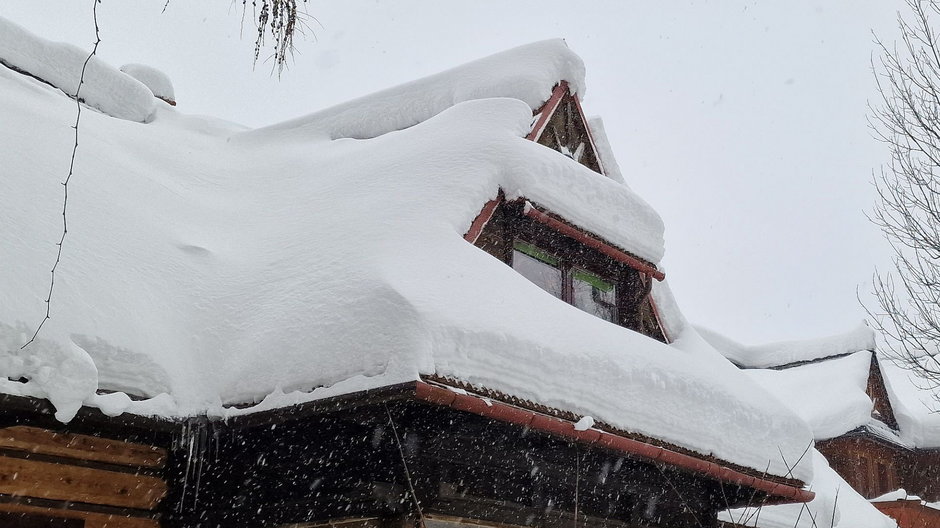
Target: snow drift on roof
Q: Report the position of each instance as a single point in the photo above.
(829, 395)
(916, 404)
(61, 64)
(157, 81)
(788, 352)
(292, 267)
(527, 73)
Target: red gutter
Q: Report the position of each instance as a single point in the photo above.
(547, 110)
(508, 413)
(482, 219)
(592, 242)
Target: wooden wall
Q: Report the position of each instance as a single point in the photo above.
(873, 468)
(59, 479)
(910, 514)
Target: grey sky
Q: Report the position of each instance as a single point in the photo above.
(742, 123)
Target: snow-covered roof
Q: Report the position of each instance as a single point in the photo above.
(829, 395)
(206, 265)
(64, 66)
(790, 352)
(825, 380)
(916, 404)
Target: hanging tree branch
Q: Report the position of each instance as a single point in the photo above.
(68, 177)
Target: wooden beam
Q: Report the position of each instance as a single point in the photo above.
(92, 520)
(83, 447)
(44, 480)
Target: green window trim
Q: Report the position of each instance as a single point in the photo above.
(592, 279)
(537, 253)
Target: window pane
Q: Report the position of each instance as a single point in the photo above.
(544, 275)
(594, 295)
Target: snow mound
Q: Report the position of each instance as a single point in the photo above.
(788, 352)
(60, 65)
(158, 82)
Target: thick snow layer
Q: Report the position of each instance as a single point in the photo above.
(829, 395)
(836, 505)
(916, 405)
(527, 73)
(205, 267)
(786, 352)
(60, 64)
(158, 82)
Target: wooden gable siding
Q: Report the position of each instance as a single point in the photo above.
(922, 476)
(910, 514)
(870, 466)
(566, 130)
(878, 393)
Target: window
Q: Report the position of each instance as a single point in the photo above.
(588, 291)
(562, 261)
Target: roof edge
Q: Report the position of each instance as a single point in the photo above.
(497, 410)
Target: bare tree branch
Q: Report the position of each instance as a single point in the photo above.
(907, 120)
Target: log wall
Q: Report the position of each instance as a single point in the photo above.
(59, 479)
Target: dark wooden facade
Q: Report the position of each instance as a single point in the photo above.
(377, 459)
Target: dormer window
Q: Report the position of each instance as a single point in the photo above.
(571, 265)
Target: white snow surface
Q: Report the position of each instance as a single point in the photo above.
(206, 266)
(829, 395)
(916, 405)
(104, 87)
(836, 505)
(786, 352)
(158, 82)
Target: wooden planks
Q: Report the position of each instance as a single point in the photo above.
(91, 519)
(83, 447)
(45, 480)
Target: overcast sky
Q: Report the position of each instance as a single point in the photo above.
(743, 123)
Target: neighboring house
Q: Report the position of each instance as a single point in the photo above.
(296, 326)
(850, 396)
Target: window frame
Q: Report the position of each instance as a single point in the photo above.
(503, 222)
(568, 273)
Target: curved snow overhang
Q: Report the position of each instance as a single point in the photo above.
(459, 399)
(565, 228)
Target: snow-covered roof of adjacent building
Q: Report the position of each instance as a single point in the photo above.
(787, 353)
(916, 404)
(824, 381)
(208, 265)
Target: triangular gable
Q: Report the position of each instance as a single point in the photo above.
(878, 393)
(562, 126)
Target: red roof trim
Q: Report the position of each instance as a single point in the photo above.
(508, 413)
(482, 219)
(547, 110)
(592, 242)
